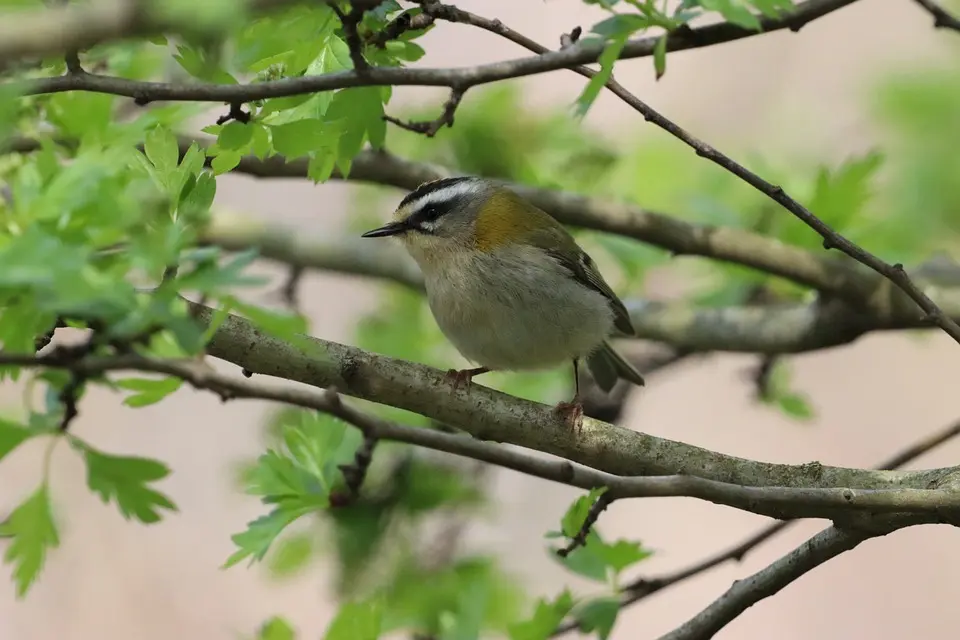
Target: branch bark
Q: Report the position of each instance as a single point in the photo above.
(491, 415)
(782, 502)
(822, 547)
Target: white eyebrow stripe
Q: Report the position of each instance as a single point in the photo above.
(443, 195)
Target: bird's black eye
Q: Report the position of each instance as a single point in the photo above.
(430, 212)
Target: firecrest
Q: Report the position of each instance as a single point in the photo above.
(508, 285)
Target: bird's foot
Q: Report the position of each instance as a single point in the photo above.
(572, 412)
(462, 377)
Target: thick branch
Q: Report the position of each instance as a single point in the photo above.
(775, 501)
(491, 415)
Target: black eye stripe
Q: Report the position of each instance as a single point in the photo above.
(432, 211)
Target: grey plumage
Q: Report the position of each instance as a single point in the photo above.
(507, 284)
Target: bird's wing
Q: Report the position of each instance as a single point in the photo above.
(558, 243)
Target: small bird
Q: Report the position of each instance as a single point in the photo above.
(508, 285)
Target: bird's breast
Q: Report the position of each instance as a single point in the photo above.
(515, 309)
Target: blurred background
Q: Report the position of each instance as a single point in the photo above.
(875, 74)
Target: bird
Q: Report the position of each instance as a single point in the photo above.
(509, 286)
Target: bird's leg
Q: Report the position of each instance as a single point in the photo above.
(573, 410)
(464, 376)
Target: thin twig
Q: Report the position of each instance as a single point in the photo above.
(350, 22)
(430, 128)
(942, 19)
(822, 547)
(603, 501)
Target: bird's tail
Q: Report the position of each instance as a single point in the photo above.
(607, 366)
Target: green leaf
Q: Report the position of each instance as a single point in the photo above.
(200, 198)
(12, 435)
(734, 11)
(161, 149)
(577, 512)
(359, 114)
(278, 323)
(356, 621)
(225, 161)
(235, 135)
(291, 554)
(33, 533)
(621, 24)
(149, 390)
(599, 614)
(321, 165)
(586, 560)
(124, 479)
(276, 628)
(546, 618)
(840, 195)
(622, 554)
(796, 405)
(298, 138)
(297, 479)
(660, 57)
(607, 59)
(255, 541)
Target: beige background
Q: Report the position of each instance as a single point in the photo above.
(112, 579)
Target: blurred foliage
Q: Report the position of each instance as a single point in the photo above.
(91, 221)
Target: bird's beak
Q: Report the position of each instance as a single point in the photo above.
(392, 229)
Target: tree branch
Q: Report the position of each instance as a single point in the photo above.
(69, 28)
(642, 588)
(822, 547)
(59, 30)
(775, 501)
(464, 78)
(942, 19)
(491, 415)
(772, 328)
(838, 276)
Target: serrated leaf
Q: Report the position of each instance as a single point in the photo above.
(599, 614)
(124, 480)
(586, 560)
(547, 616)
(356, 621)
(577, 512)
(33, 533)
(622, 554)
(161, 149)
(255, 541)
